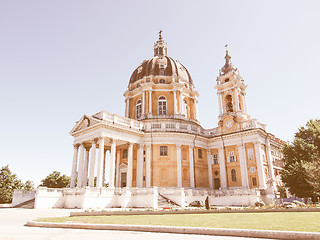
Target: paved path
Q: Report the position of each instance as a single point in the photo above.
(12, 228)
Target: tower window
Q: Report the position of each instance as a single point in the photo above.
(162, 81)
(254, 181)
(162, 105)
(229, 103)
(232, 157)
(163, 150)
(233, 175)
(125, 153)
(138, 109)
(199, 153)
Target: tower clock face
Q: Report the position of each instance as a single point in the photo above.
(228, 124)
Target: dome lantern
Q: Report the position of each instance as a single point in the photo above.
(160, 47)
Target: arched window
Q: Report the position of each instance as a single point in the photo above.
(229, 103)
(233, 175)
(185, 107)
(162, 81)
(138, 109)
(162, 105)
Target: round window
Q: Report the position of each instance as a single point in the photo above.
(252, 169)
(216, 173)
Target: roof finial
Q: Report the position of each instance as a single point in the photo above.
(226, 46)
(160, 36)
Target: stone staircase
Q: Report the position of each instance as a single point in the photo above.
(166, 203)
(26, 204)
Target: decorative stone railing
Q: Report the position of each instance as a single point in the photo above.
(251, 124)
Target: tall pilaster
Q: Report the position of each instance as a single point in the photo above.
(222, 165)
(210, 169)
(80, 169)
(148, 165)
(74, 166)
(243, 166)
(129, 169)
(181, 102)
(139, 179)
(143, 102)
(191, 164)
(92, 163)
(179, 172)
(174, 102)
(219, 102)
(127, 106)
(117, 169)
(260, 167)
(112, 163)
(150, 102)
(100, 163)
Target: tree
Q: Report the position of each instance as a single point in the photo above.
(9, 182)
(301, 171)
(56, 180)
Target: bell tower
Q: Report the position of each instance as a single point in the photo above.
(231, 92)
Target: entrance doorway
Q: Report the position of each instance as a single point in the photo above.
(216, 183)
(123, 179)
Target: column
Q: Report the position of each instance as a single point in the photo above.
(148, 165)
(143, 102)
(117, 169)
(100, 163)
(236, 100)
(245, 103)
(74, 166)
(174, 102)
(150, 102)
(191, 164)
(219, 102)
(129, 169)
(104, 167)
(222, 165)
(92, 163)
(85, 169)
(180, 102)
(209, 158)
(243, 166)
(127, 107)
(262, 178)
(112, 163)
(139, 179)
(179, 172)
(270, 163)
(80, 168)
(196, 109)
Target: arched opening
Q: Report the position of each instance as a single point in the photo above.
(162, 80)
(229, 103)
(233, 175)
(138, 109)
(162, 105)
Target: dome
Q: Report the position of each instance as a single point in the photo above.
(161, 65)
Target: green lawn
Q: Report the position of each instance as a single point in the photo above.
(285, 221)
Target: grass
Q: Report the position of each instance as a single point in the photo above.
(284, 221)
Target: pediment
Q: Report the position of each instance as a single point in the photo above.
(123, 165)
(85, 122)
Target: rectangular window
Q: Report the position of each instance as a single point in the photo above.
(199, 153)
(232, 157)
(250, 154)
(215, 159)
(125, 153)
(163, 150)
(254, 181)
(144, 178)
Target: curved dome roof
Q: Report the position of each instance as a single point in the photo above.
(161, 65)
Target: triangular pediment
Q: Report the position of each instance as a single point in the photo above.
(123, 165)
(85, 122)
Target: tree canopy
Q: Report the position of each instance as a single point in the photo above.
(301, 171)
(9, 182)
(56, 180)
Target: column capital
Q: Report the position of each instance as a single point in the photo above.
(179, 145)
(113, 140)
(76, 145)
(257, 142)
(93, 141)
(140, 145)
(131, 144)
(148, 145)
(191, 146)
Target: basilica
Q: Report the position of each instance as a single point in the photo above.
(159, 148)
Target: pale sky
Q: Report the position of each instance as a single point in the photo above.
(61, 59)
